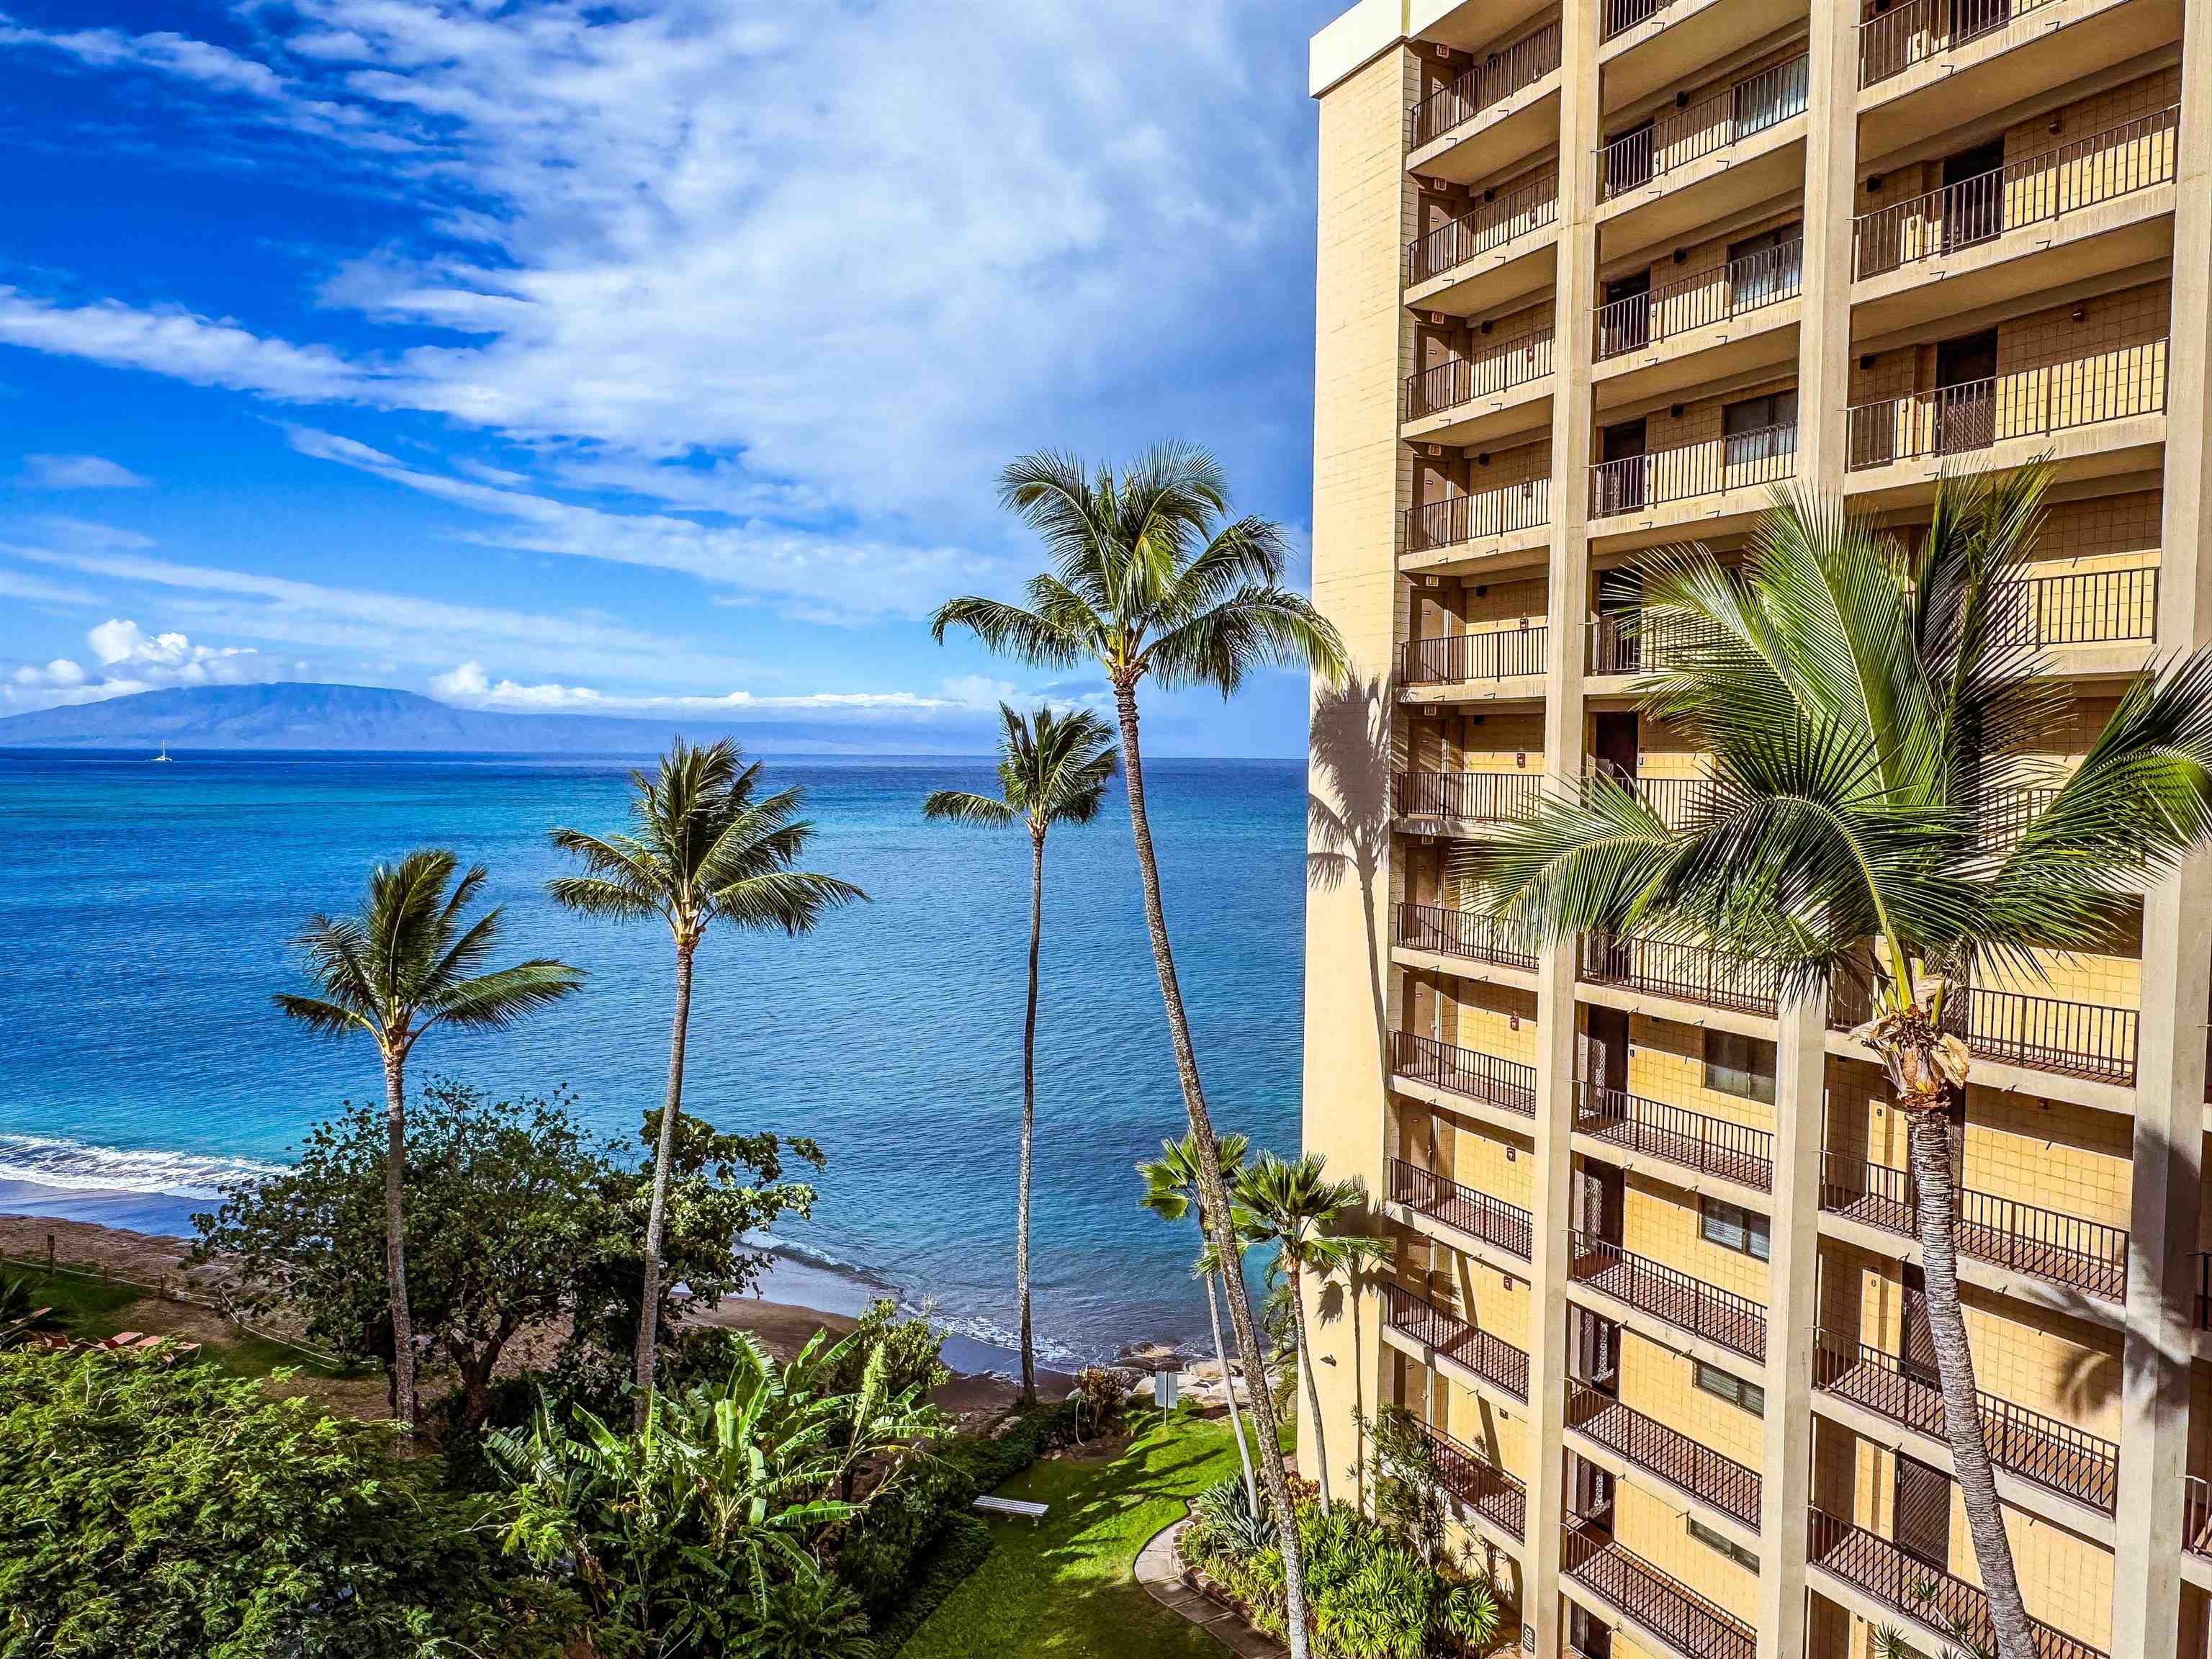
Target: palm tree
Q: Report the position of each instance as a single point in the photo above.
(1170, 1183)
(704, 846)
(1873, 714)
(400, 965)
(1052, 769)
(1293, 1205)
(1151, 577)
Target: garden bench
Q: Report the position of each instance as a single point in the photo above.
(1033, 1512)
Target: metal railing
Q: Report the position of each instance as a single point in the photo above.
(2087, 607)
(1688, 973)
(1734, 1322)
(2047, 1034)
(2089, 1256)
(1463, 933)
(1763, 455)
(1477, 1215)
(1711, 1145)
(1477, 1482)
(2196, 1516)
(1478, 88)
(1463, 380)
(1744, 284)
(1673, 1456)
(1500, 653)
(1893, 41)
(1877, 1567)
(1487, 225)
(1497, 1363)
(1465, 1072)
(2041, 1449)
(1622, 16)
(2117, 161)
(1957, 420)
(1676, 800)
(1476, 797)
(1630, 643)
(1470, 518)
(1653, 1597)
(1681, 137)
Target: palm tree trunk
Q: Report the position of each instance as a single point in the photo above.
(1213, 1190)
(1229, 1387)
(1029, 1122)
(1313, 1389)
(1933, 1177)
(395, 1234)
(649, 1316)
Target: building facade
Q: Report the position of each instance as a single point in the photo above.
(1593, 277)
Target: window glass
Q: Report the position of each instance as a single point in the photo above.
(1733, 1228)
(1737, 1065)
(1726, 1385)
(1747, 1560)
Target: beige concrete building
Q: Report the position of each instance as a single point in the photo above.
(1592, 277)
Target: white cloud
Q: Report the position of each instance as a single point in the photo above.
(77, 472)
(468, 684)
(203, 351)
(131, 659)
(60, 671)
(161, 52)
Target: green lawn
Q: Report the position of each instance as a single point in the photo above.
(1065, 1587)
(91, 1310)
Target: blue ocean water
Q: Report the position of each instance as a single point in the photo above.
(146, 910)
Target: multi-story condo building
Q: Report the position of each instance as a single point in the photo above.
(1593, 276)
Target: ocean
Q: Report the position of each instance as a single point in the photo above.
(147, 916)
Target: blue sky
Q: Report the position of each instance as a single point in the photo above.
(635, 357)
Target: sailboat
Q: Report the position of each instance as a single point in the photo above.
(164, 755)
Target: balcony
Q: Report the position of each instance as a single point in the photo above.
(1687, 973)
(1741, 288)
(1460, 1208)
(1490, 515)
(1686, 1464)
(1652, 1598)
(1692, 166)
(1691, 1140)
(1502, 654)
(1415, 1317)
(1731, 1322)
(1481, 89)
(2046, 1033)
(1489, 228)
(1465, 797)
(2055, 1455)
(1454, 383)
(1979, 415)
(2087, 1256)
(1741, 461)
(1894, 41)
(2196, 1516)
(1630, 643)
(1463, 934)
(1477, 1482)
(2088, 607)
(1880, 1571)
(1464, 1072)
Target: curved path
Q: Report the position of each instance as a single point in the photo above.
(1161, 1574)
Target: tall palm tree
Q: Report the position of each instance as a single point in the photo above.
(1294, 1206)
(704, 846)
(1171, 1188)
(1053, 768)
(401, 965)
(1873, 714)
(1151, 577)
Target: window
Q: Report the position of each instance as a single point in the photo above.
(1765, 267)
(1720, 1545)
(1725, 1385)
(1740, 1066)
(1733, 1228)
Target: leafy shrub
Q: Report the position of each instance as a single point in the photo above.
(960, 1547)
(812, 1616)
(1229, 1523)
(1472, 1614)
(1105, 1395)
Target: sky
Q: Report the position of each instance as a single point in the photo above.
(632, 358)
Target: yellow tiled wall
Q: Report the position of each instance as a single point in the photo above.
(1660, 1222)
(1667, 1063)
(1660, 1385)
(1656, 1529)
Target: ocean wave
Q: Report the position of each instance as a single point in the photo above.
(74, 1166)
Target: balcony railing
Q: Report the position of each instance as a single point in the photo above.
(2088, 607)
(1498, 77)
(2117, 162)
(1622, 16)
(2087, 1256)
(1464, 1072)
(1653, 1597)
(1958, 420)
(1477, 1482)
(2049, 1033)
(1689, 1465)
(1632, 642)
(1734, 1322)
(2054, 1454)
(1740, 285)
(1894, 41)
(1875, 1566)
(1688, 973)
(1499, 1363)
(1476, 1214)
(1487, 225)
(1500, 654)
(1681, 137)
(1463, 380)
(2196, 1516)
(1463, 933)
(1740, 460)
(1475, 797)
(1459, 518)
(1710, 1146)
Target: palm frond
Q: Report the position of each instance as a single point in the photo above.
(1256, 626)
(964, 807)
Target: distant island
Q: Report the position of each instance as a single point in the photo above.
(292, 715)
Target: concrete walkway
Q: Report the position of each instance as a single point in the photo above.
(1161, 1574)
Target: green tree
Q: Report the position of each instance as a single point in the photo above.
(1053, 768)
(1151, 578)
(705, 846)
(406, 962)
(1873, 713)
(1293, 1205)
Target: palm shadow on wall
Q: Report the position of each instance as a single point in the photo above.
(1348, 819)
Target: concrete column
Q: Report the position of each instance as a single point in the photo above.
(1544, 1633)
